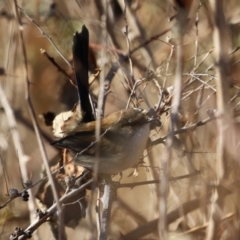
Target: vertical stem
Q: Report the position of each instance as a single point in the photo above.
(163, 191)
(36, 128)
(221, 48)
(107, 200)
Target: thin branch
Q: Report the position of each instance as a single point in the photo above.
(52, 60)
(151, 39)
(136, 84)
(107, 200)
(203, 82)
(165, 78)
(203, 227)
(123, 57)
(18, 148)
(137, 30)
(173, 179)
(128, 43)
(141, 231)
(177, 88)
(221, 44)
(99, 113)
(196, 39)
(98, 214)
(184, 129)
(188, 82)
(37, 223)
(46, 35)
(35, 125)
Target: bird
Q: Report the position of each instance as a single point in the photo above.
(83, 111)
(123, 134)
(123, 138)
(80, 52)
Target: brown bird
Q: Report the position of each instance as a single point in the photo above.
(66, 122)
(124, 136)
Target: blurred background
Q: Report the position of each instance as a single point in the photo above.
(157, 26)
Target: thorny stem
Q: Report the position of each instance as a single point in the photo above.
(35, 225)
(36, 128)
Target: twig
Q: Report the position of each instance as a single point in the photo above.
(33, 184)
(52, 60)
(203, 227)
(109, 21)
(172, 216)
(99, 112)
(135, 184)
(163, 188)
(137, 31)
(203, 82)
(194, 90)
(196, 67)
(235, 50)
(165, 78)
(221, 44)
(36, 128)
(18, 148)
(98, 214)
(128, 44)
(151, 39)
(107, 200)
(184, 129)
(46, 35)
(137, 83)
(151, 226)
(35, 225)
(107, 197)
(123, 57)
(196, 39)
